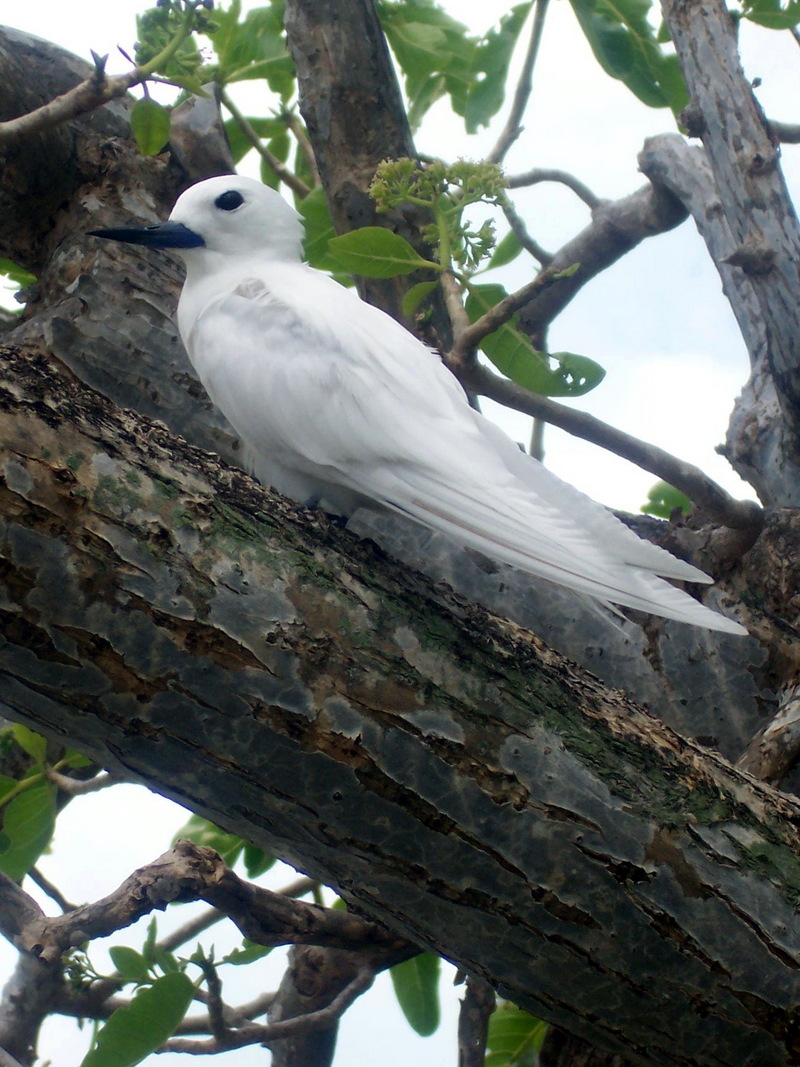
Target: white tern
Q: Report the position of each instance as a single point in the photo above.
(338, 405)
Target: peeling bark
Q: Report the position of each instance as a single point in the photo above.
(460, 782)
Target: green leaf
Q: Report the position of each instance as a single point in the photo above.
(319, 231)
(131, 964)
(416, 986)
(165, 960)
(16, 274)
(142, 1026)
(662, 500)
(75, 759)
(34, 744)
(415, 295)
(579, 374)
(772, 15)
(438, 55)
(514, 1037)
(205, 833)
(510, 350)
(28, 823)
(506, 252)
(150, 126)
(374, 252)
(150, 940)
(626, 47)
(256, 861)
(248, 953)
(253, 47)
(264, 127)
(491, 61)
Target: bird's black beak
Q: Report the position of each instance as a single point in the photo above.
(162, 235)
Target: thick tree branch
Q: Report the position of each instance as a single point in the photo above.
(745, 163)
(760, 444)
(187, 872)
(291, 671)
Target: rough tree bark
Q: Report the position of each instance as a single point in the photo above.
(441, 767)
(444, 769)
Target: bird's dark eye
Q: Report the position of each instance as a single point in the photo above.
(229, 201)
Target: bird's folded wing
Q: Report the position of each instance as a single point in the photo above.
(321, 380)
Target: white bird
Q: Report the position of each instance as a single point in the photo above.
(339, 406)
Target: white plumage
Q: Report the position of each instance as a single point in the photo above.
(339, 405)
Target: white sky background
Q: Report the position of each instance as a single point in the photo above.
(657, 321)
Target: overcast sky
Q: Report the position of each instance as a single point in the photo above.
(657, 321)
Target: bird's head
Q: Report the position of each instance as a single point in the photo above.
(231, 215)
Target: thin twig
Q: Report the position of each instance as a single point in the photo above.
(216, 1007)
(297, 185)
(562, 177)
(89, 95)
(96, 90)
(704, 491)
(251, 1035)
(77, 787)
(243, 1015)
(302, 138)
(513, 127)
(49, 889)
(467, 340)
(454, 304)
(520, 231)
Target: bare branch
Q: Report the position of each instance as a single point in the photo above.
(216, 1007)
(96, 90)
(720, 505)
(76, 787)
(251, 1035)
(513, 127)
(454, 303)
(785, 132)
(297, 185)
(522, 235)
(301, 135)
(187, 872)
(545, 174)
(237, 1017)
(189, 930)
(473, 1023)
(18, 911)
(51, 890)
(92, 93)
(470, 337)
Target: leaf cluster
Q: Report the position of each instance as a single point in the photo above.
(440, 57)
